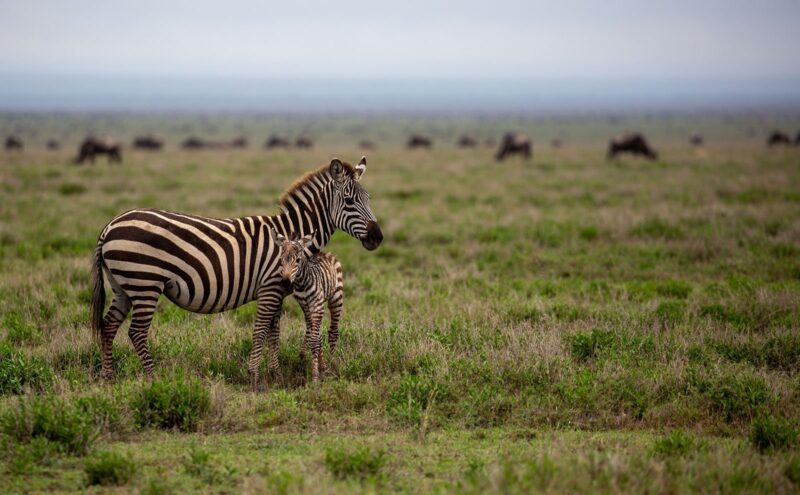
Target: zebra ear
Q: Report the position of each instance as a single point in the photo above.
(337, 169)
(360, 168)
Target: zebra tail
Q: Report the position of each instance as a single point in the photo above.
(99, 292)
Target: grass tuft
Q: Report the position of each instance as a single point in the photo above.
(769, 433)
(109, 469)
(362, 463)
(179, 403)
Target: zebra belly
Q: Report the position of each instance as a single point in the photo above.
(177, 291)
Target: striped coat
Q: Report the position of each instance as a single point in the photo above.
(207, 265)
(315, 280)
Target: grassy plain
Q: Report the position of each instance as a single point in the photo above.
(564, 324)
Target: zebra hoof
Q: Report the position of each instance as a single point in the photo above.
(108, 376)
(254, 383)
(276, 376)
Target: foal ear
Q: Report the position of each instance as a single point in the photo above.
(278, 238)
(337, 169)
(307, 241)
(360, 168)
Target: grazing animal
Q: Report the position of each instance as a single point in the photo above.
(315, 280)
(467, 141)
(633, 143)
(304, 142)
(696, 140)
(150, 142)
(53, 145)
(366, 144)
(777, 138)
(419, 141)
(195, 143)
(275, 141)
(93, 146)
(797, 139)
(514, 144)
(238, 142)
(13, 143)
(556, 143)
(208, 265)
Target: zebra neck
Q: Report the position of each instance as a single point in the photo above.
(303, 218)
(302, 276)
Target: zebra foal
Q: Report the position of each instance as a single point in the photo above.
(315, 280)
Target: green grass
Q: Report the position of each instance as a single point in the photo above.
(109, 469)
(561, 325)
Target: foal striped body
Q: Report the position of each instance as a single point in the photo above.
(316, 280)
(208, 265)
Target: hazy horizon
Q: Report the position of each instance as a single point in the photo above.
(355, 54)
(71, 92)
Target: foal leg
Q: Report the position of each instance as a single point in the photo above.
(304, 305)
(315, 314)
(335, 306)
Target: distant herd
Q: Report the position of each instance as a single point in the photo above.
(511, 144)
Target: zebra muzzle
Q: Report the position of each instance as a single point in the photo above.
(374, 236)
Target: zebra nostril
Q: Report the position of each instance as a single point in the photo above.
(374, 236)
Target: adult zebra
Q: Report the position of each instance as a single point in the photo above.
(208, 265)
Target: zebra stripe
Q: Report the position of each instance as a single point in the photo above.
(315, 281)
(208, 265)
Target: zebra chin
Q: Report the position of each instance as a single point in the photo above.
(374, 236)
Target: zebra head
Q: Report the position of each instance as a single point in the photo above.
(350, 209)
(292, 252)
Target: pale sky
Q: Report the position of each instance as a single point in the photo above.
(407, 38)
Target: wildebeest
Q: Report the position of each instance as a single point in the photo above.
(633, 143)
(52, 144)
(366, 144)
(777, 138)
(92, 146)
(275, 141)
(556, 143)
(148, 142)
(419, 141)
(195, 143)
(514, 143)
(696, 140)
(467, 141)
(239, 142)
(13, 143)
(303, 142)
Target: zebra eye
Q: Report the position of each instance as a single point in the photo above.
(349, 201)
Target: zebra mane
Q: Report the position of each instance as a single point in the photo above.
(321, 173)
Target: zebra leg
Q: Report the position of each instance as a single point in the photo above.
(267, 316)
(316, 313)
(120, 307)
(307, 334)
(142, 316)
(274, 344)
(335, 306)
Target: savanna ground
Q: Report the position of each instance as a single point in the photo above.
(560, 325)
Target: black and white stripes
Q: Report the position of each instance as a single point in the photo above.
(315, 280)
(207, 265)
